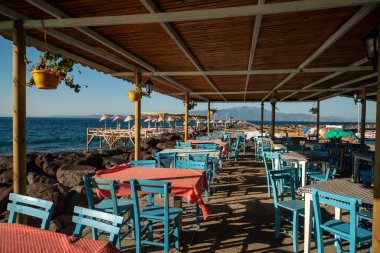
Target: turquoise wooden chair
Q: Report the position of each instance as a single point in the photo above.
(202, 138)
(97, 220)
(257, 142)
(39, 208)
(143, 163)
(343, 231)
(112, 205)
(152, 214)
(165, 159)
(235, 149)
(195, 165)
(274, 158)
(211, 146)
(283, 185)
(183, 145)
(243, 139)
(329, 174)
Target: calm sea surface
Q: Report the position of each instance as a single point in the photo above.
(68, 134)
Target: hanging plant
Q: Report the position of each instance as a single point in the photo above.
(136, 93)
(213, 111)
(192, 104)
(313, 110)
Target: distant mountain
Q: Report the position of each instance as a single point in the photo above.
(254, 114)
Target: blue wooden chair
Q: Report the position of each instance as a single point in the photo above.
(183, 145)
(112, 205)
(283, 185)
(329, 174)
(270, 157)
(243, 139)
(211, 146)
(202, 138)
(235, 149)
(97, 220)
(343, 231)
(39, 208)
(195, 165)
(151, 214)
(143, 163)
(215, 134)
(165, 159)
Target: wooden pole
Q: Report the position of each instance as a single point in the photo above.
(208, 118)
(318, 107)
(362, 122)
(19, 112)
(273, 121)
(137, 119)
(262, 119)
(186, 116)
(376, 188)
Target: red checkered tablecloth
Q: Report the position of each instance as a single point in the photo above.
(185, 183)
(218, 143)
(24, 239)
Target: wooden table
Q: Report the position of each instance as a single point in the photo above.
(344, 187)
(184, 152)
(22, 238)
(303, 159)
(222, 144)
(365, 156)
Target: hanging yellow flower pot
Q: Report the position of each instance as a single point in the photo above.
(46, 79)
(134, 96)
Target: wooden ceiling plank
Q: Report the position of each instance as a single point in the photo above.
(152, 8)
(55, 12)
(328, 77)
(255, 36)
(356, 18)
(342, 92)
(204, 14)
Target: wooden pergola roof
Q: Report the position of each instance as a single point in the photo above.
(243, 50)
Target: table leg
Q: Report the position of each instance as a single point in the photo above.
(356, 169)
(303, 169)
(307, 222)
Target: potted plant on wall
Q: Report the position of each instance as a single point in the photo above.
(50, 70)
(192, 104)
(136, 93)
(213, 111)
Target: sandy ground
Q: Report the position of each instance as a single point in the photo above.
(241, 216)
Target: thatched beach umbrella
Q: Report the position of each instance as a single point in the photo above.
(148, 119)
(116, 118)
(104, 118)
(129, 119)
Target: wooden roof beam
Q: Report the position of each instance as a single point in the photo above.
(356, 18)
(55, 12)
(255, 37)
(342, 92)
(249, 72)
(152, 8)
(328, 77)
(359, 79)
(191, 15)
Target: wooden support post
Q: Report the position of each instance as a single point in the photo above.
(19, 112)
(362, 122)
(272, 132)
(208, 118)
(376, 188)
(262, 119)
(318, 107)
(137, 118)
(186, 116)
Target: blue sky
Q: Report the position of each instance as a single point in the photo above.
(106, 94)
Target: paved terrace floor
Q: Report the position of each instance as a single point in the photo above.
(241, 215)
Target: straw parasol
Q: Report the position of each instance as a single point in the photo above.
(148, 119)
(104, 118)
(129, 119)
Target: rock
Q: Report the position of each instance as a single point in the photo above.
(94, 160)
(171, 137)
(62, 189)
(147, 156)
(110, 161)
(107, 153)
(70, 157)
(121, 156)
(64, 220)
(48, 164)
(71, 175)
(75, 197)
(144, 146)
(31, 162)
(166, 145)
(4, 195)
(149, 143)
(6, 171)
(35, 177)
(46, 192)
(55, 226)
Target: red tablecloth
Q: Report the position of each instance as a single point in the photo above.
(222, 144)
(24, 239)
(185, 182)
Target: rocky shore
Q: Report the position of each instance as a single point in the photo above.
(58, 177)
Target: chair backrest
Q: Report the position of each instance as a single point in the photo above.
(202, 138)
(143, 163)
(295, 148)
(108, 185)
(332, 168)
(39, 208)
(342, 202)
(197, 157)
(183, 145)
(274, 158)
(196, 165)
(100, 220)
(211, 146)
(283, 184)
(319, 153)
(150, 187)
(215, 134)
(165, 159)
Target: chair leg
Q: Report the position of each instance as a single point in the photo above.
(150, 228)
(276, 223)
(166, 237)
(137, 236)
(295, 231)
(197, 213)
(177, 234)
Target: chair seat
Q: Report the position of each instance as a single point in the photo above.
(124, 205)
(293, 205)
(157, 212)
(342, 229)
(319, 177)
